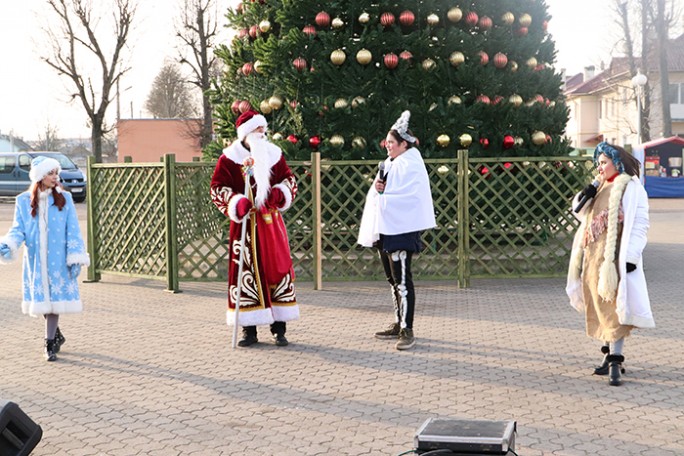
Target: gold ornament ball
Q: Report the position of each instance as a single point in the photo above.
(456, 58)
(358, 101)
(336, 141)
(513, 65)
(258, 66)
(515, 99)
(337, 23)
(508, 18)
(275, 102)
(531, 62)
(454, 100)
(465, 139)
(340, 103)
(443, 140)
(277, 136)
(455, 14)
(519, 141)
(429, 64)
(525, 20)
(433, 19)
(364, 18)
(539, 138)
(265, 107)
(364, 57)
(264, 26)
(358, 143)
(338, 57)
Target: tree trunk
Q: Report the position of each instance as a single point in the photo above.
(96, 138)
(661, 29)
(646, 106)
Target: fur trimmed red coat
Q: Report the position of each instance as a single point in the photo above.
(268, 292)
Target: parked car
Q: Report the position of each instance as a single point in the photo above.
(15, 167)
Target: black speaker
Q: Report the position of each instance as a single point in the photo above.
(19, 435)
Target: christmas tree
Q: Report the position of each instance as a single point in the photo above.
(335, 75)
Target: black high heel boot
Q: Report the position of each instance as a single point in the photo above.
(50, 354)
(59, 340)
(602, 369)
(614, 369)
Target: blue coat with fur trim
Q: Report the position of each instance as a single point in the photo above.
(53, 241)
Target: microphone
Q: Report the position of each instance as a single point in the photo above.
(382, 175)
(586, 197)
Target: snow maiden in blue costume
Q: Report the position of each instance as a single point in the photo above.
(45, 219)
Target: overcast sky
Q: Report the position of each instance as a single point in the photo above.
(31, 94)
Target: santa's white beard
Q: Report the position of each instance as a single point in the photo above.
(258, 147)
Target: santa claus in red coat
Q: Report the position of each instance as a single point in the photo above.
(267, 294)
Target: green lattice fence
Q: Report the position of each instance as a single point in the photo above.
(511, 219)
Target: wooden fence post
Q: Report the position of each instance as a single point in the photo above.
(463, 218)
(171, 225)
(317, 227)
(93, 275)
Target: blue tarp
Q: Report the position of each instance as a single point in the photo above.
(664, 187)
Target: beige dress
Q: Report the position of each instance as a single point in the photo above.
(601, 316)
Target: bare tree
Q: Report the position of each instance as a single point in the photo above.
(75, 37)
(170, 97)
(197, 30)
(662, 26)
(48, 140)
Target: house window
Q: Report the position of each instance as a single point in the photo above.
(600, 107)
(675, 94)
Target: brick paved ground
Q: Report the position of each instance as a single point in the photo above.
(145, 372)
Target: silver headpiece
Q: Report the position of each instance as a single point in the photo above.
(401, 126)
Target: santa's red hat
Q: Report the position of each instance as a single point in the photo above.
(248, 122)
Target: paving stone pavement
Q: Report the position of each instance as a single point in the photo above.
(146, 372)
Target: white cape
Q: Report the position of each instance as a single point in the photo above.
(406, 204)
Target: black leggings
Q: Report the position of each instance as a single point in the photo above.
(397, 267)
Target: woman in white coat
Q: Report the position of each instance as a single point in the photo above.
(45, 219)
(606, 277)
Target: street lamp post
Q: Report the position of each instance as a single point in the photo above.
(638, 82)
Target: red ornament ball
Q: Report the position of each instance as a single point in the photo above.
(244, 106)
(391, 61)
(235, 107)
(508, 142)
(484, 142)
(405, 55)
(243, 33)
(471, 18)
(309, 30)
(314, 142)
(483, 99)
(406, 18)
(253, 31)
(387, 19)
(500, 60)
(485, 23)
(293, 139)
(299, 63)
(522, 31)
(323, 19)
(247, 68)
(484, 58)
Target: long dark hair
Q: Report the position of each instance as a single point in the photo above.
(35, 190)
(632, 165)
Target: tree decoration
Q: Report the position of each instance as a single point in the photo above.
(387, 19)
(538, 138)
(253, 31)
(454, 100)
(508, 141)
(484, 58)
(235, 107)
(309, 30)
(482, 99)
(513, 66)
(500, 60)
(515, 99)
(484, 142)
(293, 139)
(244, 106)
(406, 18)
(456, 58)
(485, 23)
(531, 62)
(265, 26)
(265, 107)
(465, 139)
(336, 141)
(405, 55)
(338, 57)
(322, 19)
(240, 8)
(243, 33)
(337, 23)
(433, 19)
(364, 57)
(299, 63)
(519, 141)
(314, 142)
(358, 101)
(471, 18)
(277, 136)
(522, 31)
(276, 102)
(258, 66)
(363, 19)
(359, 142)
(497, 99)
(247, 68)
(507, 18)
(341, 103)
(545, 25)
(429, 64)
(391, 61)
(294, 104)
(454, 14)
(525, 20)
(443, 140)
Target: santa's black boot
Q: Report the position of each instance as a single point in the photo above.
(615, 369)
(249, 336)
